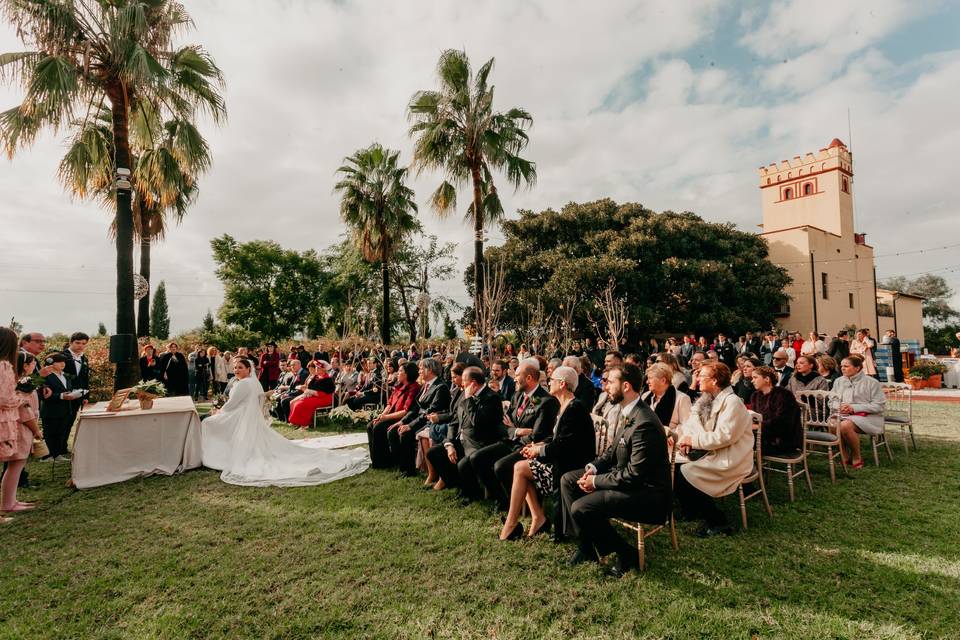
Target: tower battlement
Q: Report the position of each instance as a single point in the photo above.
(834, 156)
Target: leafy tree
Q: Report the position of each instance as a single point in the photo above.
(101, 329)
(353, 297)
(208, 322)
(85, 55)
(937, 311)
(675, 271)
(417, 265)
(273, 291)
(15, 326)
(160, 314)
(378, 208)
(449, 328)
(230, 337)
(457, 130)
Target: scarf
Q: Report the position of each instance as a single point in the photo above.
(805, 378)
(703, 407)
(664, 408)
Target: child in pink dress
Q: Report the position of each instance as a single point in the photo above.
(19, 412)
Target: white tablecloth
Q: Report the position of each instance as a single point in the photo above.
(114, 447)
(951, 379)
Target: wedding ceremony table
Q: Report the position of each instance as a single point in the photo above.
(951, 379)
(114, 447)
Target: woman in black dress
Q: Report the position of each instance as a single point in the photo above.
(172, 370)
(148, 363)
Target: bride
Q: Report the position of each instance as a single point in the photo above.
(239, 441)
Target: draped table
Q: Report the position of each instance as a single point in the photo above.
(114, 447)
(951, 379)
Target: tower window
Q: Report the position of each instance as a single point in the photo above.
(850, 296)
(823, 285)
(808, 189)
(787, 193)
(845, 186)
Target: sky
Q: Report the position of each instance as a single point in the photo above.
(672, 105)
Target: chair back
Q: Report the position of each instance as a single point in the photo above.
(757, 420)
(601, 432)
(818, 411)
(899, 402)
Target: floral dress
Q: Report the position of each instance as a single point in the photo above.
(10, 427)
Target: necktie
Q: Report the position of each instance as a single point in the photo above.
(523, 405)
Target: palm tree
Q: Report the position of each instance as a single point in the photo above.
(456, 129)
(377, 206)
(164, 176)
(90, 53)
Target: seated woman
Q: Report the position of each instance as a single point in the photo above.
(806, 377)
(671, 406)
(828, 369)
(721, 427)
(743, 387)
(368, 386)
(571, 446)
(317, 393)
(404, 394)
(782, 424)
(861, 406)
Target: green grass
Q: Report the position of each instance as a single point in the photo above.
(874, 556)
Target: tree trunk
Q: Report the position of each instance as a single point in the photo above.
(127, 370)
(411, 321)
(477, 241)
(143, 311)
(385, 323)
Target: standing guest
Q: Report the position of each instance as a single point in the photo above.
(202, 365)
(269, 366)
(218, 370)
(753, 343)
(653, 346)
(434, 397)
(702, 345)
(404, 394)
(570, 446)
(896, 358)
(670, 405)
(316, 393)
(863, 346)
(861, 406)
(686, 350)
(806, 377)
(78, 368)
(812, 345)
(56, 411)
(148, 363)
(696, 361)
(726, 352)
(721, 426)
(784, 371)
(742, 346)
(840, 346)
(828, 369)
(782, 426)
(15, 438)
(797, 345)
(192, 370)
(172, 366)
(630, 480)
(523, 353)
(34, 343)
(768, 348)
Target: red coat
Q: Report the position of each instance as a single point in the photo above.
(270, 366)
(402, 397)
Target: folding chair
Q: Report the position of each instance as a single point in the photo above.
(821, 429)
(790, 461)
(756, 475)
(899, 411)
(645, 530)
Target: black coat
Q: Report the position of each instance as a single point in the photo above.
(727, 354)
(435, 400)
(573, 443)
(172, 369)
(149, 371)
(479, 422)
(54, 407)
(540, 414)
(785, 377)
(79, 378)
(586, 393)
(508, 387)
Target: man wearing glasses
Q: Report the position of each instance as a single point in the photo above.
(784, 372)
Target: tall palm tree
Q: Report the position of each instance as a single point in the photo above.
(90, 53)
(166, 158)
(456, 129)
(379, 208)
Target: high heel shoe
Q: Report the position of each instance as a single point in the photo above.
(544, 528)
(516, 534)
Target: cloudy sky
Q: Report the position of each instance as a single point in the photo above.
(673, 105)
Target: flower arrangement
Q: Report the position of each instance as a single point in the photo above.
(926, 368)
(345, 416)
(147, 391)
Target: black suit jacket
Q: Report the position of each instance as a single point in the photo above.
(787, 373)
(54, 407)
(727, 353)
(479, 422)
(435, 400)
(638, 462)
(573, 443)
(79, 378)
(753, 346)
(540, 414)
(586, 392)
(838, 349)
(456, 394)
(508, 387)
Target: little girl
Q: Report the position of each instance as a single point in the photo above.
(28, 430)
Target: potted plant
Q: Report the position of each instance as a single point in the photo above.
(929, 371)
(147, 391)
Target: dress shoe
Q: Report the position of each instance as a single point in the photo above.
(625, 563)
(516, 534)
(581, 557)
(709, 532)
(544, 528)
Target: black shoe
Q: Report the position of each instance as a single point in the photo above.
(625, 563)
(709, 532)
(581, 557)
(516, 534)
(544, 528)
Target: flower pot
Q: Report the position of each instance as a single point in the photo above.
(146, 401)
(935, 381)
(917, 383)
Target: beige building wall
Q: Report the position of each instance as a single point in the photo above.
(909, 315)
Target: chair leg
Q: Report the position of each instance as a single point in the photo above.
(743, 508)
(790, 480)
(640, 549)
(903, 436)
(763, 494)
(806, 472)
(886, 444)
(832, 464)
(912, 439)
(876, 456)
(673, 533)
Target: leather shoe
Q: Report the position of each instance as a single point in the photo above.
(624, 564)
(581, 557)
(515, 534)
(709, 532)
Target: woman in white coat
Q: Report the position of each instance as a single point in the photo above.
(861, 406)
(720, 430)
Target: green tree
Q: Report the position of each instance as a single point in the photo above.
(457, 130)
(208, 322)
(101, 329)
(936, 293)
(85, 55)
(379, 208)
(449, 328)
(270, 290)
(160, 314)
(676, 271)
(417, 264)
(15, 326)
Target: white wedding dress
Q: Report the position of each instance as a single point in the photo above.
(240, 441)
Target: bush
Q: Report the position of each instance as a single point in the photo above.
(926, 367)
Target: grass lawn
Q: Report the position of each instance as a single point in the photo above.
(874, 556)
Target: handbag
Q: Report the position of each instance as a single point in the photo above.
(695, 454)
(39, 449)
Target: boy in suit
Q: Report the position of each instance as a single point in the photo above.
(56, 411)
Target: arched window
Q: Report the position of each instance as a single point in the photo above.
(768, 180)
(845, 186)
(787, 193)
(808, 189)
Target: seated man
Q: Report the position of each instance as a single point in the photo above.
(505, 384)
(479, 423)
(630, 480)
(586, 391)
(434, 398)
(288, 389)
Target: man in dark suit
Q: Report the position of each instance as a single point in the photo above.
(77, 369)
(434, 397)
(839, 347)
(498, 372)
(780, 366)
(56, 411)
(291, 390)
(586, 392)
(479, 423)
(896, 360)
(531, 418)
(753, 344)
(726, 352)
(630, 480)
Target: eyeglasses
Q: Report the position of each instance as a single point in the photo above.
(779, 358)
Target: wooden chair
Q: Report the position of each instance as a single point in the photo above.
(320, 411)
(645, 530)
(899, 411)
(601, 431)
(757, 474)
(877, 439)
(821, 429)
(791, 461)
